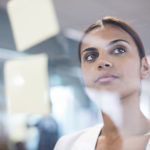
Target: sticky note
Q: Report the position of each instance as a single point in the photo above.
(32, 22)
(26, 85)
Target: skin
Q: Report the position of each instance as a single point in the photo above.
(110, 61)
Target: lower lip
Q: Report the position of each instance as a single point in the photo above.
(106, 80)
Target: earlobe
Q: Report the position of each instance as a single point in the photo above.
(144, 68)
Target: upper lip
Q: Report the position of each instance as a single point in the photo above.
(106, 76)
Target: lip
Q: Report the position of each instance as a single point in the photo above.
(107, 78)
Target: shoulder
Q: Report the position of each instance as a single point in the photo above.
(79, 139)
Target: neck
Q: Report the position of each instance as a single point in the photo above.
(131, 119)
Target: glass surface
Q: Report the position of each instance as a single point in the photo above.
(57, 80)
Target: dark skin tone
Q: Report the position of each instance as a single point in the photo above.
(110, 61)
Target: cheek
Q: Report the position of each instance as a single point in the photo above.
(131, 71)
(88, 75)
(129, 65)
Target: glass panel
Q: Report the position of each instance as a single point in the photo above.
(64, 95)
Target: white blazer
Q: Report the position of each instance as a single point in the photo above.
(82, 140)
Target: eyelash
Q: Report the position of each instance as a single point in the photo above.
(95, 55)
(120, 51)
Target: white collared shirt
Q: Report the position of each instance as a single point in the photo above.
(82, 140)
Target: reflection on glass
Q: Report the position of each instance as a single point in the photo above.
(74, 106)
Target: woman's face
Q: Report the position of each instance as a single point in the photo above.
(110, 61)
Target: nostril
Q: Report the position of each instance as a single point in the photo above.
(100, 67)
(107, 65)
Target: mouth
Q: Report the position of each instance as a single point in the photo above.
(105, 79)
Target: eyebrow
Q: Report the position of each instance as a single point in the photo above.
(109, 44)
(89, 49)
(116, 41)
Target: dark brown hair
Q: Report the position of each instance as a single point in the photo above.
(119, 23)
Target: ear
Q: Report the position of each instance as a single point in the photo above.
(144, 68)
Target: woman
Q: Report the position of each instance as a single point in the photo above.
(113, 59)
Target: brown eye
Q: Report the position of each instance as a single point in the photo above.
(91, 57)
(119, 50)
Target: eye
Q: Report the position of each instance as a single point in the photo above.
(119, 50)
(91, 57)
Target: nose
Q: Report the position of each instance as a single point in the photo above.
(104, 64)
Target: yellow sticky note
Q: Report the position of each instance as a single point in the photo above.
(32, 21)
(26, 85)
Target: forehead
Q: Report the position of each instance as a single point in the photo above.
(101, 36)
